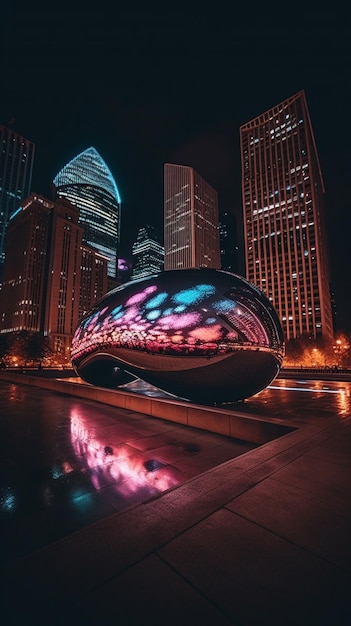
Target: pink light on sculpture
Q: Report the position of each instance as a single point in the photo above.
(212, 333)
(180, 321)
(167, 320)
(141, 296)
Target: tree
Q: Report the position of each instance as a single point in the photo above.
(342, 350)
(5, 346)
(37, 347)
(18, 347)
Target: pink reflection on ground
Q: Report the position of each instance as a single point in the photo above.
(117, 464)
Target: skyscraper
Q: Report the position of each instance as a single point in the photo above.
(93, 284)
(16, 168)
(48, 281)
(191, 236)
(228, 242)
(284, 231)
(148, 253)
(87, 182)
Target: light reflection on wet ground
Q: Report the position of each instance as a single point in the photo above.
(286, 399)
(67, 462)
(301, 400)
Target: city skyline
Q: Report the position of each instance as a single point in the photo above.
(145, 89)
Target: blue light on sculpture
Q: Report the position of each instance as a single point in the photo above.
(200, 334)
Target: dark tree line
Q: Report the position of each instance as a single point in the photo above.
(28, 348)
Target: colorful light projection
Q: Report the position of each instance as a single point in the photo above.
(182, 320)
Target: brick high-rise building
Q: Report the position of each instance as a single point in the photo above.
(94, 279)
(50, 276)
(284, 230)
(191, 236)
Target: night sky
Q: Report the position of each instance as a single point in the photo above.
(146, 88)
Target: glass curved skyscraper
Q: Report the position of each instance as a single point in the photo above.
(87, 182)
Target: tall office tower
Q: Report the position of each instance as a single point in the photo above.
(284, 231)
(148, 253)
(228, 241)
(87, 182)
(16, 168)
(191, 236)
(44, 269)
(93, 278)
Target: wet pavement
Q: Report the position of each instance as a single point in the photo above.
(262, 538)
(66, 463)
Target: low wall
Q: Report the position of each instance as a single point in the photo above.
(213, 419)
(310, 373)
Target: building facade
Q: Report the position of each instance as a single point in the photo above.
(191, 236)
(228, 242)
(48, 282)
(147, 252)
(87, 182)
(284, 230)
(16, 169)
(94, 282)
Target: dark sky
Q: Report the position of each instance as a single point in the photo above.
(145, 88)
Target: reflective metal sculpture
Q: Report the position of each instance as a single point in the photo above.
(201, 334)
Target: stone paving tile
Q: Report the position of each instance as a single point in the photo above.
(308, 522)
(122, 497)
(169, 454)
(336, 450)
(148, 443)
(150, 593)
(224, 452)
(255, 576)
(313, 474)
(195, 465)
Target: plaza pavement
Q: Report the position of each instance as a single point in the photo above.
(261, 539)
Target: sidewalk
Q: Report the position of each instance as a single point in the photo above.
(262, 539)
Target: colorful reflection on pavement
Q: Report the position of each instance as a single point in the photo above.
(119, 464)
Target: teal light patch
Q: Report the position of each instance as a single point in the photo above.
(56, 473)
(194, 295)
(156, 301)
(153, 315)
(81, 500)
(117, 312)
(224, 306)
(211, 320)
